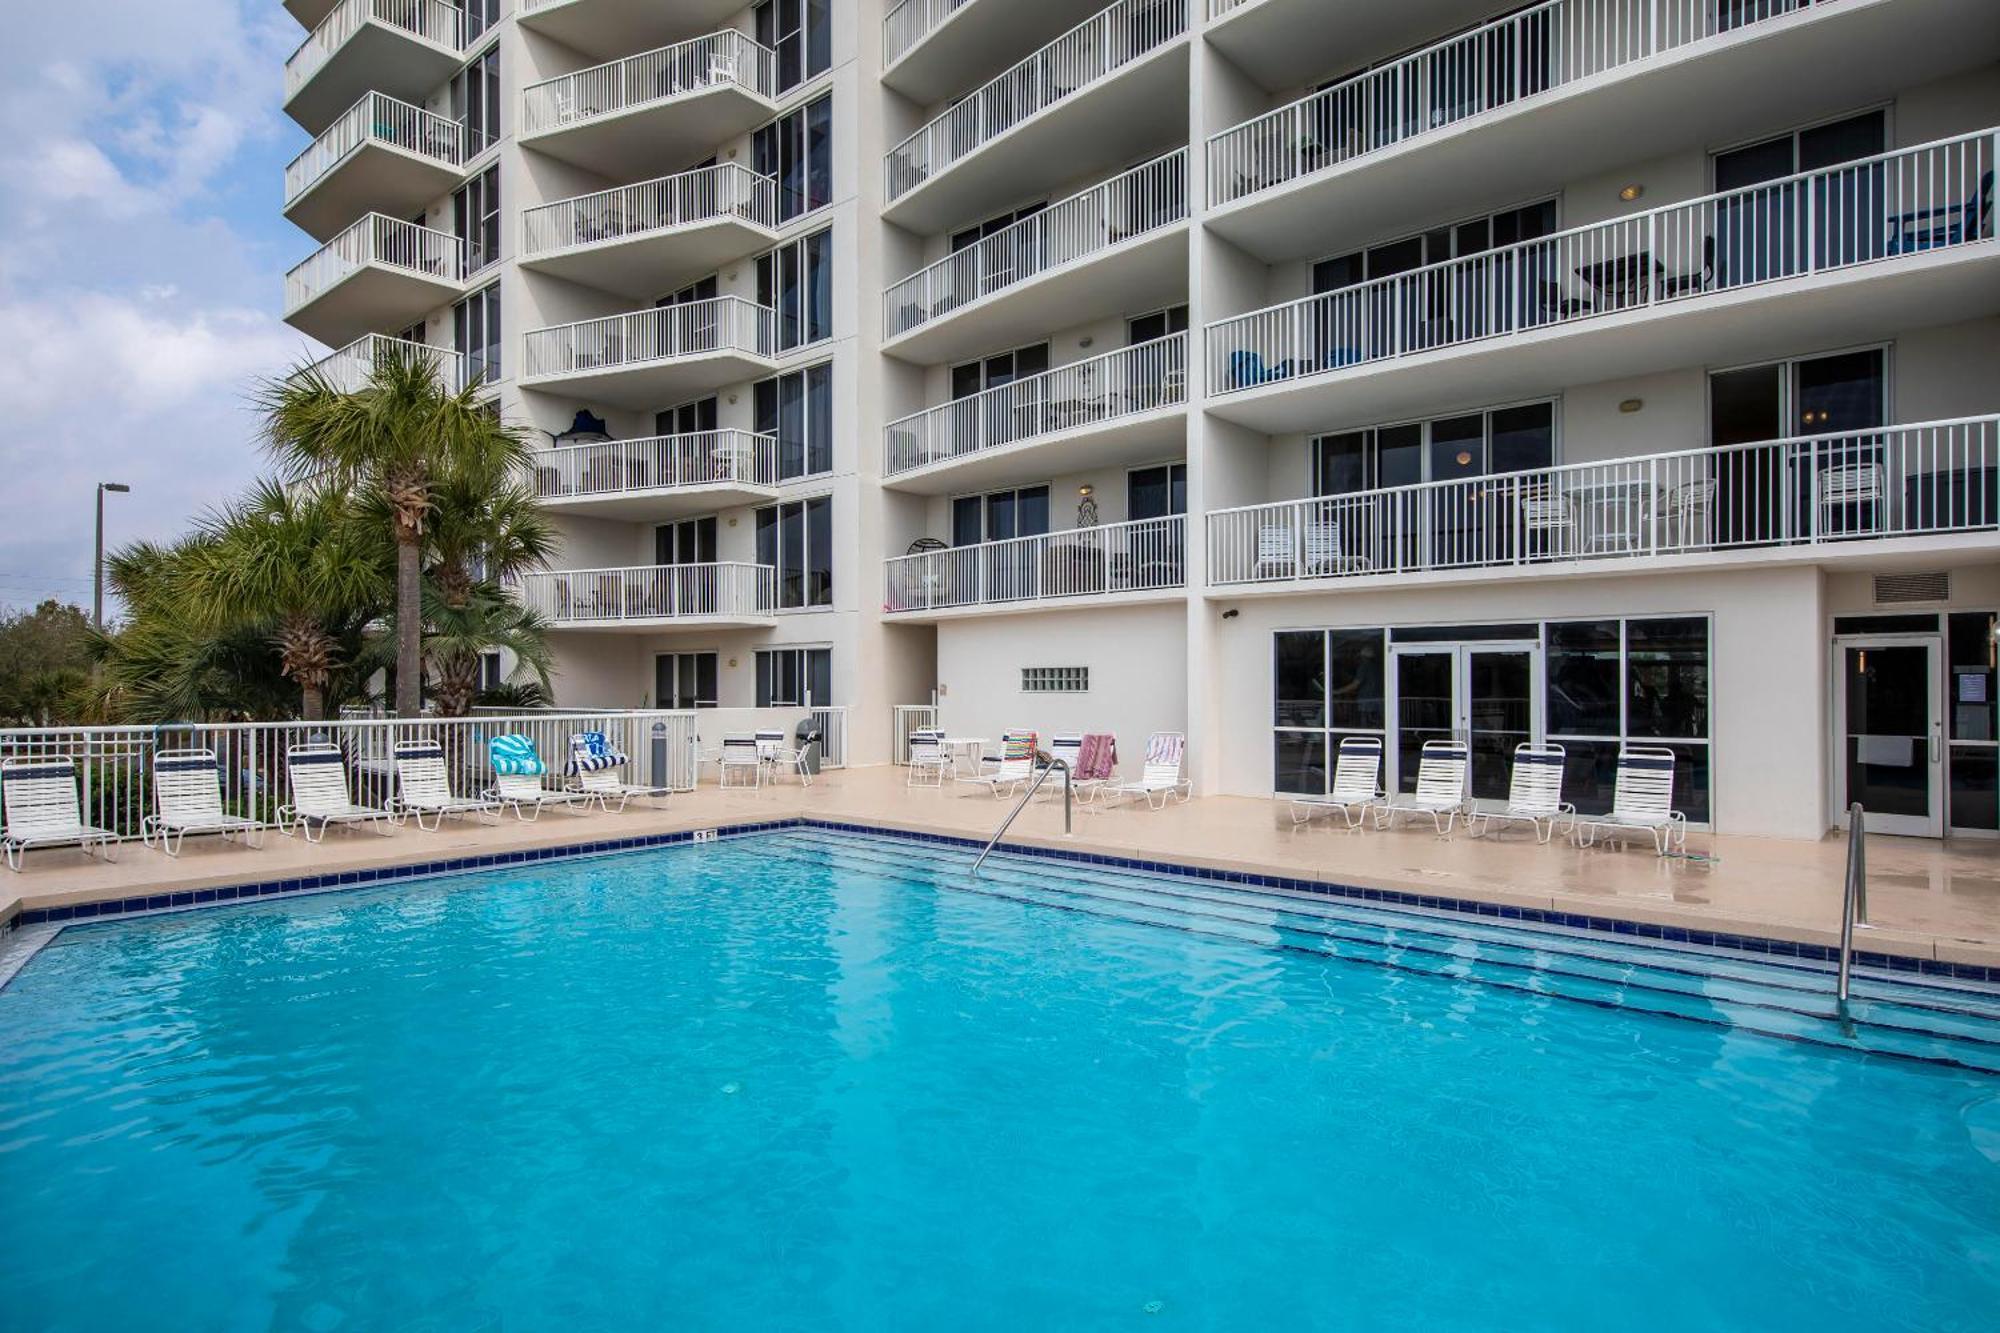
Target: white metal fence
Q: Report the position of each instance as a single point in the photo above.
(704, 458)
(1895, 481)
(381, 240)
(379, 119)
(1121, 209)
(1143, 555)
(693, 328)
(726, 591)
(349, 369)
(432, 20)
(910, 21)
(1909, 202)
(1094, 49)
(1101, 390)
(707, 194)
(1525, 53)
(694, 66)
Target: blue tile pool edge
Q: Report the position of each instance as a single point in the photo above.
(1614, 927)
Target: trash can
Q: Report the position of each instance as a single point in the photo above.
(808, 739)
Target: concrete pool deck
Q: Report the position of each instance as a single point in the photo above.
(1927, 900)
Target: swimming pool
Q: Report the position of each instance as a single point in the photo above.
(809, 1079)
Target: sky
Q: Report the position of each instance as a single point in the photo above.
(142, 259)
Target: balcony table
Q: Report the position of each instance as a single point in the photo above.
(1612, 514)
(1622, 280)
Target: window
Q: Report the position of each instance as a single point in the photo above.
(1611, 683)
(480, 15)
(801, 32)
(490, 676)
(1145, 328)
(704, 290)
(797, 539)
(1328, 684)
(1156, 492)
(475, 325)
(685, 680)
(797, 407)
(996, 517)
(796, 281)
(693, 418)
(1055, 680)
(794, 677)
(974, 377)
(475, 97)
(973, 235)
(1972, 703)
(1504, 439)
(797, 149)
(691, 541)
(475, 211)
(1473, 236)
(1784, 229)
(1762, 495)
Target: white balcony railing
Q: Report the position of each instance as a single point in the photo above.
(659, 462)
(681, 70)
(1217, 8)
(910, 21)
(1147, 555)
(1093, 50)
(1119, 210)
(381, 241)
(651, 592)
(1533, 51)
(380, 119)
(431, 20)
(349, 369)
(1894, 481)
(1101, 391)
(695, 328)
(707, 194)
(1915, 201)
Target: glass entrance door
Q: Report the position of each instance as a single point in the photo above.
(1891, 738)
(1485, 694)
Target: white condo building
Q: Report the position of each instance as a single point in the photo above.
(1598, 372)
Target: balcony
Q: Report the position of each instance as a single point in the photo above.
(1290, 43)
(605, 28)
(660, 477)
(349, 369)
(933, 48)
(1123, 408)
(653, 357)
(1823, 498)
(309, 12)
(652, 596)
(644, 239)
(380, 273)
(1856, 252)
(404, 48)
(1090, 98)
(1533, 102)
(663, 108)
(383, 156)
(1020, 282)
(1117, 562)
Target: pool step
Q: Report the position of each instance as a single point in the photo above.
(1786, 998)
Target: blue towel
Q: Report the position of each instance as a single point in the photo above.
(514, 756)
(590, 752)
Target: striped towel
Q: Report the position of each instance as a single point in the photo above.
(1165, 747)
(590, 752)
(1017, 747)
(514, 756)
(1097, 761)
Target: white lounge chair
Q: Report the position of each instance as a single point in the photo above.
(318, 778)
(595, 774)
(1442, 773)
(187, 798)
(1642, 800)
(928, 762)
(517, 779)
(42, 810)
(1161, 778)
(1016, 767)
(1357, 783)
(1068, 747)
(739, 754)
(1534, 794)
(423, 787)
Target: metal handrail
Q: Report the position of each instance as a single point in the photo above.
(1047, 767)
(1854, 903)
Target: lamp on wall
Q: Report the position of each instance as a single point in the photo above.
(1631, 193)
(1086, 507)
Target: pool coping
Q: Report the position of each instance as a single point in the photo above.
(1747, 944)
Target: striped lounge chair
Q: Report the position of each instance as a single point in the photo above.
(1161, 778)
(187, 798)
(1357, 784)
(423, 787)
(42, 810)
(1534, 794)
(517, 778)
(1443, 772)
(594, 765)
(1643, 801)
(318, 778)
(1016, 767)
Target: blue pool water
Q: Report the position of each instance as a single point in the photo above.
(808, 1080)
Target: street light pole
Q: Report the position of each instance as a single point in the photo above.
(97, 565)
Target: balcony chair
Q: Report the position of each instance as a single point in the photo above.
(1695, 280)
(1357, 784)
(1687, 513)
(1548, 524)
(1534, 794)
(1247, 369)
(1948, 224)
(1850, 499)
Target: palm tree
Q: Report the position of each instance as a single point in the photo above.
(394, 445)
(482, 619)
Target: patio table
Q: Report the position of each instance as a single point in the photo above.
(964, 748)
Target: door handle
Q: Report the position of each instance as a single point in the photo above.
(1936, 742)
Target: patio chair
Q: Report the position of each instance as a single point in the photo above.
(423, 787)
(1357, 784)
(594, 766)
(1277, 552)
(1442, 774)
(739, 755)
(928, 761)
(1695, 280)
(1161, 777)
(317, 775)
(1643, 800)
(42, 810)
(1534, 794)
(517, 778)
(1016, 767)
(1947, 224)
(1247, 369)
(778, 755)
(1068, 747)
(187, 798)
(1687, 514)
(1850, 499)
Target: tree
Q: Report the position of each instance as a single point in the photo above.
(482, 620)
(394, 445)
(45, 656)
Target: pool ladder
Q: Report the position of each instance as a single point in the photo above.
(1854, 902)
(1047, 766)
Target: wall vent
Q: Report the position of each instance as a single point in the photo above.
(1898, 589)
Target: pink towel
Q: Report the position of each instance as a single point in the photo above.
(1097, 760)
